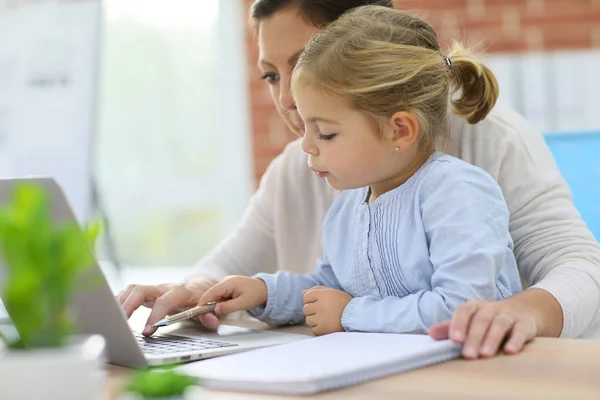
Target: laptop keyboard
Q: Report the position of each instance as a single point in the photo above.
(162, 344)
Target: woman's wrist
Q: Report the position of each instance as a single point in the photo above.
(543, 307)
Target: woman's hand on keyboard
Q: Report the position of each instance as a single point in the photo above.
(167, 299)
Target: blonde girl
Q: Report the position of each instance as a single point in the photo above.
(415, 232)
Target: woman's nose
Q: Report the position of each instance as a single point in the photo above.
(286, 101)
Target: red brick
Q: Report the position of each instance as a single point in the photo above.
(492, 6)
(488, 21)
(429, 4)
(505, 45)
(559, 13)
(565, 36)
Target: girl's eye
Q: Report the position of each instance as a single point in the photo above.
(270, 77)
(327, 137)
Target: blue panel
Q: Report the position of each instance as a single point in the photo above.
(578, 158)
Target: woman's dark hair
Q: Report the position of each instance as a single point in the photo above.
(317, 12)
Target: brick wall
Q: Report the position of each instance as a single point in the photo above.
(496, 25)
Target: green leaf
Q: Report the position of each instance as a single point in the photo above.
(92, 231)
(159, 383)
(43, 262)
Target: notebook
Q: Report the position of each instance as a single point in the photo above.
(322, 363)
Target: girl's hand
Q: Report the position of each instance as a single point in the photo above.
(236, 293)
(483, 326)
(323, 308)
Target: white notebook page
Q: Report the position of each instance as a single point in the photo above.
(327, 362)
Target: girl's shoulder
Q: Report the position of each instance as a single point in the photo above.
(446, 171)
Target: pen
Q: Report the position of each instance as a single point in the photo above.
(182, 316)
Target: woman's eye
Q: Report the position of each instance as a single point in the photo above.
(327, 137)
(270, 77)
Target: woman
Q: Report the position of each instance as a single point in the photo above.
(281, 229)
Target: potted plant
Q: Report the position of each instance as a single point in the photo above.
(41, 261)
(158, 384)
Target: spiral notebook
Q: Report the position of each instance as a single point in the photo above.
(322, 363)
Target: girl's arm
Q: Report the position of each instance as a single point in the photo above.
(285, 300)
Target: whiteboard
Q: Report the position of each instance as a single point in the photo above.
(49, 54)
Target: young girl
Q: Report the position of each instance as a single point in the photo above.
(415, 232)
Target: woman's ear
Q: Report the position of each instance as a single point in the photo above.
(403, 130)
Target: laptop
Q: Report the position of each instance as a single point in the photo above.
(97, 311)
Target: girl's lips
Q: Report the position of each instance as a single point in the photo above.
(320, 174)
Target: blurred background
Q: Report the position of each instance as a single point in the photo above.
(176, 128)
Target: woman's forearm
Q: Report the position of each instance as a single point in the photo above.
(545, 308)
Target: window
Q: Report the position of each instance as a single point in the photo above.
(172, 152)
(554, 91)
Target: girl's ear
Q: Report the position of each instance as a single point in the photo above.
(403, 130)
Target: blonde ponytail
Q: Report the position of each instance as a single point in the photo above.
(476, 84)
(382, 61)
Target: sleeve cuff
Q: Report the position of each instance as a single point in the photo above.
(349, 315)
(261, 313)
(577, 295)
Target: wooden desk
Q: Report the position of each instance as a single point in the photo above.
(562, 369)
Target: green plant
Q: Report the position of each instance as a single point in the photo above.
(42, 262)
(159, 383)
